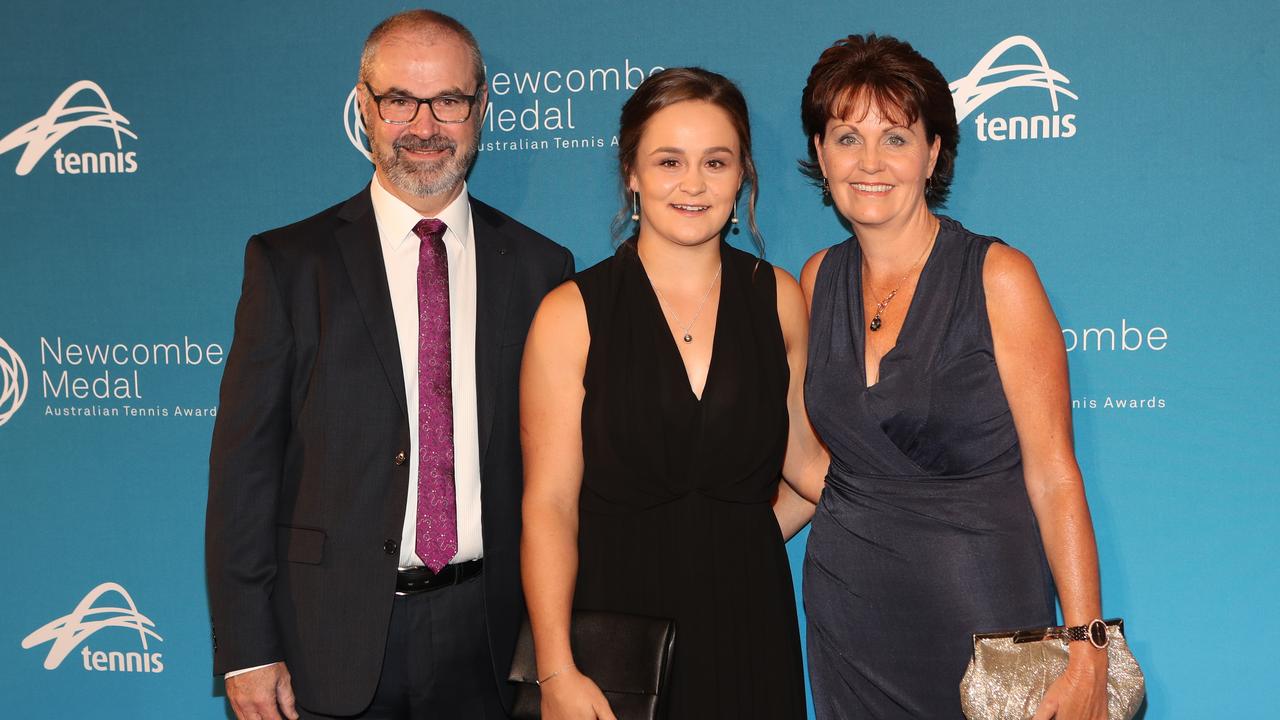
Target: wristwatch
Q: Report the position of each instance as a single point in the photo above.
(1095, 632)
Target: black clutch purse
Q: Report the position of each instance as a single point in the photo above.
(627, 656)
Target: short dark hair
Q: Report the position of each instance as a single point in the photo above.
(901, 83)
(666, 88)
(426, 22)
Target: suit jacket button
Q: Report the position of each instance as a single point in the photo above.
(401, 458)
(391, 547)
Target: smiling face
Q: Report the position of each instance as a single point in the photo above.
(425, 161)
(876, 167)
(688, 170)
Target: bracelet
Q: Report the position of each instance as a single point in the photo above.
(552, 675)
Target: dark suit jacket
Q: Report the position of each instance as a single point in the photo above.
(306, 494)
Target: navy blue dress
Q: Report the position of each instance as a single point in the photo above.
(924, 533)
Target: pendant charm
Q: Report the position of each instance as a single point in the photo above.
(875, 322)
(688, 337)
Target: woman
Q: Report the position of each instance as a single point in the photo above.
(938, 380)
(660, 400)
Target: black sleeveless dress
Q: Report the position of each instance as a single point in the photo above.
(675, 511)
(925, 533)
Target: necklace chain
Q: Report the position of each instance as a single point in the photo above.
(882, 304)
(672, 309)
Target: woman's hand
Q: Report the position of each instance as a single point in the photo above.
(1081, 692)
(573, 696)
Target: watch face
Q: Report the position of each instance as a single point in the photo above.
(1098, 633)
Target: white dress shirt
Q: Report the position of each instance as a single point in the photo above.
(400, 255)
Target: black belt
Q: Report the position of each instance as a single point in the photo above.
(420, 579)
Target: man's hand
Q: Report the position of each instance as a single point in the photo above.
(262, 694)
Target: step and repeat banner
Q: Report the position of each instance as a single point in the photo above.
(1128, 148)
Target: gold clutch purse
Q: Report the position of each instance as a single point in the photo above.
(1010, 672)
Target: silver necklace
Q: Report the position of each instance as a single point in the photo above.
(671, 308)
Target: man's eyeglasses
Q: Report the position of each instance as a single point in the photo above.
(397, 109)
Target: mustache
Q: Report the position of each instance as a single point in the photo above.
(430, 144)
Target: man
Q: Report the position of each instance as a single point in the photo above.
(364, 491)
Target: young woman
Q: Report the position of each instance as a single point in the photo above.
(660, 403)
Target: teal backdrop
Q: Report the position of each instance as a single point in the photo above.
(1130, 151)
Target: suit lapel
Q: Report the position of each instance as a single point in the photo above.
(495, 262)
(362, 253)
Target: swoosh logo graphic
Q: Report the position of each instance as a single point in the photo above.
(980, 85)
(45, 131)
(13, 382)
(72, 629)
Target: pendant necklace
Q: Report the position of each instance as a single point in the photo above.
(882, 304)
(688, 337)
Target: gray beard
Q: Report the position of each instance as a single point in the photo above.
(426, 179)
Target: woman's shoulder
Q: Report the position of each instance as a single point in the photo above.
(750, 270)
(838, 253)
(603, 275)
(809, 273)
(793, 307)
(994, 248)
(564, 299)
(958, 235)
(1008, 275)
(741, 260)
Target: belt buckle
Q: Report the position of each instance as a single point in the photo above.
(439, 580)
(425, 586)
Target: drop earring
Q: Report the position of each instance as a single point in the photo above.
(826, 189)
(635, 206)
(733, 214)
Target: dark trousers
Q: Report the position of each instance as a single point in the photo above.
(437, 664)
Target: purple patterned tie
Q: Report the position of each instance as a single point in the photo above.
(437, 536)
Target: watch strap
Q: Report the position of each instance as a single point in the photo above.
(1095, 633)
(1076, 633)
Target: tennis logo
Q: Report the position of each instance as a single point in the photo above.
(353, 121)
(70, 631)
(13, 382)
(987, 80)
(62, 119)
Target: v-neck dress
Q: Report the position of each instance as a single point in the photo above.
(675, 515)
(924, 534)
